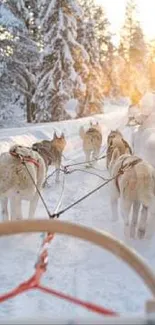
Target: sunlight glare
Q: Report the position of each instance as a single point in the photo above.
(115, 11)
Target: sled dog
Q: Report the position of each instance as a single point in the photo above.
(52, 151)
(134, 185)
(115, 140)
(17, 169)
(92, 141)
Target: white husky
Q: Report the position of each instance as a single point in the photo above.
(134, 184)
(16, 184)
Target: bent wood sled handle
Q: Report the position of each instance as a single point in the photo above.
(102, 239)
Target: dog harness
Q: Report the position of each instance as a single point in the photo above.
(109, 152)
(125, 167)
(25, 159)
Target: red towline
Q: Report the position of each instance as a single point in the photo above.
(34, 283)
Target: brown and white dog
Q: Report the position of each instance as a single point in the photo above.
(134, 185)
(92, 141)
(115, 140)
(51, 151)
(17, 169)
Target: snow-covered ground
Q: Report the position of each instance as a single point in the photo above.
(75, 267)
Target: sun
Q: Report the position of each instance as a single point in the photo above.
(115, 10)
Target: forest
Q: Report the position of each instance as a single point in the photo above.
(58, 60)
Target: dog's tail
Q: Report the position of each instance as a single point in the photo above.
(81, 132)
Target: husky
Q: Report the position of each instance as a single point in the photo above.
(115, 140)
(134, 184)
(113, 134)
(92, 141)
(51, 151)
(20, 169)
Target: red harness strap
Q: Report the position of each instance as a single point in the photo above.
(24, 159)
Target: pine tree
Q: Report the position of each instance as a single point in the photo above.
(92, 101)
(102, 31)
(151, 64)
(109, 68)
(138, 48)
(23, 51)
(96, 14)
(27, 12)
(63, 60)
(89, 7)
(133, 50)
(128, 29)
(89, 35)
(94, 83)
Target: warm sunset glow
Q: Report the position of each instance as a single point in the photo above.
(115, 12)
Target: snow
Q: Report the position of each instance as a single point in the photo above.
(49, 10)
(71, 107)
(13, 112)
(147, 103)
(7, 19)
(75, 267)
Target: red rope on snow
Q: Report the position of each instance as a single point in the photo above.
(87, 305)
(34, 283)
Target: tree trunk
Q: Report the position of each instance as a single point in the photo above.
(28, 109)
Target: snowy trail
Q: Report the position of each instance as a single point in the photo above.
(75, 267)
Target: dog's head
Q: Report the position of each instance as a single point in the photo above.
(112, 135)
(43, 150)
(36, 146)
(59, 142)
(95, 126)
(118, 145)
(17, 150)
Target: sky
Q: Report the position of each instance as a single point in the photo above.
(115, 11)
